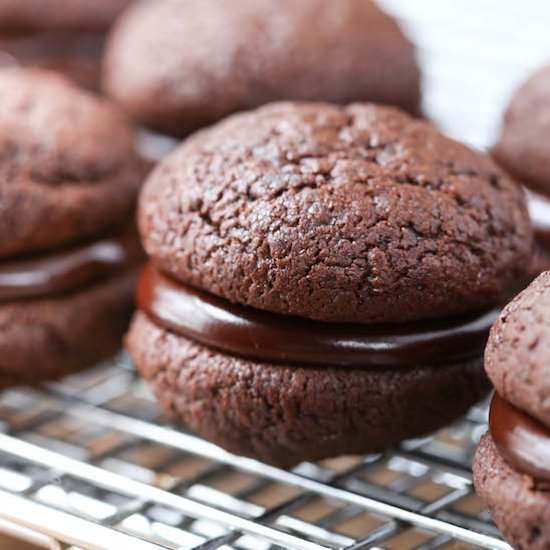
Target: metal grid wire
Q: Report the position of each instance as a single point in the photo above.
(89, 463)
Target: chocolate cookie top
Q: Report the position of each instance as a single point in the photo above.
(358, 213)
(46, 15)
(523, 145)
(68, 168)
(517, 357)
(177, 66)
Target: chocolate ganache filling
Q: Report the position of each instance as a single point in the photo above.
(248, 332)
(523, 441)
(66, 270)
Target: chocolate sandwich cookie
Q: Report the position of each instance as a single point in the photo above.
(177, 66)
(322, 279)
(68, 247)
(523, 151)
(67, 37)
(512, 464)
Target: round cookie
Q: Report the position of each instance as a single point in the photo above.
(177, 66)
(518, 504)
(522, 147)
(284, 414)
(69, 251)
(517, 353)
(354, 214)
(511, 466)
(280, 240)
(67, 160)
(522, 151)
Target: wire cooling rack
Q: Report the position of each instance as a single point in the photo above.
(89, 463)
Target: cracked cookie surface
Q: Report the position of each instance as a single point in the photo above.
(68, 166)
(357, 213)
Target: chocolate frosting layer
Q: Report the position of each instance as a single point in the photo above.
(66, 270)
(523, 441)
(248, 332)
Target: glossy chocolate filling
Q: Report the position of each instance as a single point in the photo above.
(66, 270)
(248, 332)
(523, 441)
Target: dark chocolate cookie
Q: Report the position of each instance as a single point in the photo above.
(177, 66)
(69, 252)
(309, 268)
(512, 464)
(67, 163)
(523, 145)
(358, 213)
(518, 351)
(519, 504)
(285, 414)
(50, 337)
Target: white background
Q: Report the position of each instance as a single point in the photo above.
(474, 54)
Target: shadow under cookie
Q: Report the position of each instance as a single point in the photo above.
(322, 279)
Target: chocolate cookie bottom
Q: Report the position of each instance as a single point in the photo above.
(285, 414)
(47, 338)
(520, 506)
